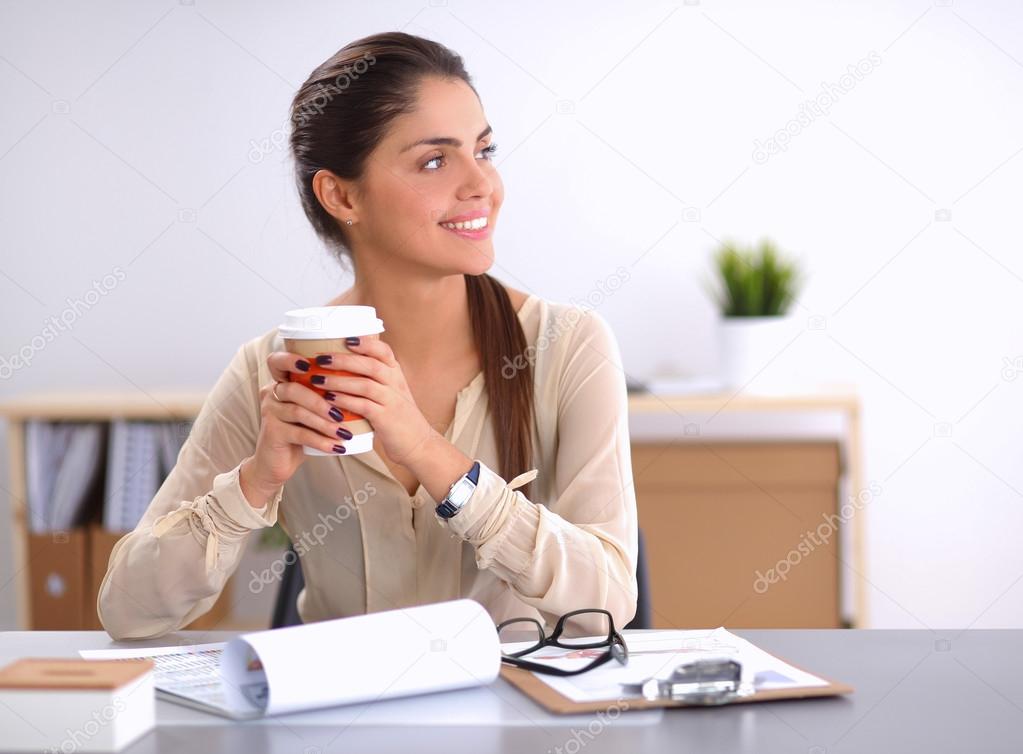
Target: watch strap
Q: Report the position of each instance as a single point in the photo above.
(447, 508)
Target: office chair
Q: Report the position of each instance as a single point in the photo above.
(643, 618)
(292, 581)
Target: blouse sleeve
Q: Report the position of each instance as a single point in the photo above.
(579, 549)
(172, 567)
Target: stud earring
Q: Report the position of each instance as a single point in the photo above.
(348, 221)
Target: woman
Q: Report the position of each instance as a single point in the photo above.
(392, 147)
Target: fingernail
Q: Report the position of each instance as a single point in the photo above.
(302, 364)
(318, 379)
(339, 448)
(324, 359)
(344, 434)
(335, 413)
(352, 341)
(329, 395)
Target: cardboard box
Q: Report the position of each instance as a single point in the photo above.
(726, 527)
(66, 570)
(58, 580)
(75, 705)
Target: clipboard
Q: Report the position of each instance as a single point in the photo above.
(554, 701)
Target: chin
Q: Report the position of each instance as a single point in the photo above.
(481, 264)
(476, 260)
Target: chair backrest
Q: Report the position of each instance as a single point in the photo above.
(292, 581)
(643, 617)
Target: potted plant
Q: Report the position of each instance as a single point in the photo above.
(756, 288)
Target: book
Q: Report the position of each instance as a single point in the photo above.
(61, 704)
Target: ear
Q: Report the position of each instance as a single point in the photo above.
(335, 194)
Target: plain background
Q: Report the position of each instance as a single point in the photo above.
(141, 137)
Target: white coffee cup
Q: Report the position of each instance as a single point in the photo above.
(317, 330)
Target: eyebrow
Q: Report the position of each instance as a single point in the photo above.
(448, 140)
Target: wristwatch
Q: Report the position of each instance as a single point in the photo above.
(460, 492)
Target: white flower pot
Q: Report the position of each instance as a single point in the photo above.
(747, 345)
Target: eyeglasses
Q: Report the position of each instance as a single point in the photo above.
(512, 631)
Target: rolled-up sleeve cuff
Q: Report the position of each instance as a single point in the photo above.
(500, 522)
(237, 515)
(469, 522)
(511, 550)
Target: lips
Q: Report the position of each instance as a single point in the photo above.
(467, 216)
(475, 234)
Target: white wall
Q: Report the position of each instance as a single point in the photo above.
(126, 138)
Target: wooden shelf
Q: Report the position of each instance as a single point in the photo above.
(155, 405)
(176, 404)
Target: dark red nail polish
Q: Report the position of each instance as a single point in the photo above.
(339, 448)
(335, 413)
(302, 364)
(329, 395)
(318, 379)
(352, 341)
(344, 434)
(324, 359)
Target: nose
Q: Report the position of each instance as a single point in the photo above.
(477, 183)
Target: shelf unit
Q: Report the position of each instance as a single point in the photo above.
(176, 405)
(157, 406)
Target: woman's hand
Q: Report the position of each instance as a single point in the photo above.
(300, 417)
(380, 393)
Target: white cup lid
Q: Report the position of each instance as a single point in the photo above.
(319, 322)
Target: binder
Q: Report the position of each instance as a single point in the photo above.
(133, 472)
(79, 470)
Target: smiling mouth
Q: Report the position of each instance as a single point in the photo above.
(480, 223)
(477, 229)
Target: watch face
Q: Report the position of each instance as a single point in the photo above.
(461, 493)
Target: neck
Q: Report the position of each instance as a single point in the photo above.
(426, 319)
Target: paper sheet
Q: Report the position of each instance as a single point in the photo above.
(657, 656)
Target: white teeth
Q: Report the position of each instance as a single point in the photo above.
(477, 224)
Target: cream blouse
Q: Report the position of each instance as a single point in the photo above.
(365, 545)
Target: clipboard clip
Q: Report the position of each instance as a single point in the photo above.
(708, 681)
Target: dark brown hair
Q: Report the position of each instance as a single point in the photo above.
(338, 117)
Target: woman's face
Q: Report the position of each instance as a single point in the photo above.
(412, 189)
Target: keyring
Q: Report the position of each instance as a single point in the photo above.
(274, 391)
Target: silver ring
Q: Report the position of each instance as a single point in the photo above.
(274, 391)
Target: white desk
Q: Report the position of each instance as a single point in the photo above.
(915, 691)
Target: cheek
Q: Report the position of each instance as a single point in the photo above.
(404, 211)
